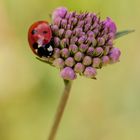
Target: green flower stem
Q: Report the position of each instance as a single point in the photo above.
(60, 109)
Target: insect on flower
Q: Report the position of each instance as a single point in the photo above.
(39, 37)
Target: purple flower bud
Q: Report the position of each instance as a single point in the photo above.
(87, 60)
(90, 34)
(114, 55)
(94, 42)
(105, 60)
(99, 51)
(80, 24)
(59, 12)
(68, 33)
(77, 31)
(79, 68)
(94, 26)
(96, 62)
(71, 20)
(106, 50)
(68, 73)
(87, 27)
(73, 48)
(111, 25)
(61, 32)
(94, 16)
(111, 35)
(59, 63)
(88, 20)
(90, 72)
(90, 15)
(83, 34)
(70, 61)
(55, 29)
(64, 23)
(96, 31)
(63, 43)
(105, 31)
(73, 14)
(65, 53)
(81, 39)
(68, 27)
(57, 21)
(56, 41)
(80, 16)
(78, 56)
(89, 40)
(75, 21)
(90, 51)
(110, 42)
(56, 53)
(83, 47)
(101, 41)
(73, 40)
(68, 15)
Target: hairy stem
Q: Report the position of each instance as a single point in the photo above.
(60, 109)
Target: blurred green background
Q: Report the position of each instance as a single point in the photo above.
(104, 109)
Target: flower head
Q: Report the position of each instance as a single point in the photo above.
(82, 43)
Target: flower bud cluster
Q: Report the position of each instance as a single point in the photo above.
(82, 43)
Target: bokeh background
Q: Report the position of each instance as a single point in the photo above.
(104, 109)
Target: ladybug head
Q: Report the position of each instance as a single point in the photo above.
(39, 37)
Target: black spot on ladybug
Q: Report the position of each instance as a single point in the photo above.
(47, 45)
(33, 32)
(41, 51)
(45, 32)
(35, 45)
(48, 53)
(49, 48)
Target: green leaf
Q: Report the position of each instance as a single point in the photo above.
(123, 33)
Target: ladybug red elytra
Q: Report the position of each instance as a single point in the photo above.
(39, 37)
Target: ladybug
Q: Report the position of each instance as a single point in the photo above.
(40, 38)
